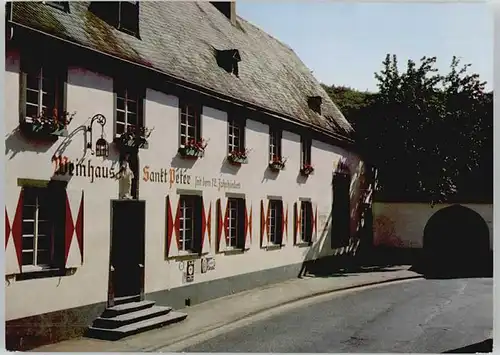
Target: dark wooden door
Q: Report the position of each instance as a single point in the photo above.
(341, 210)
(127, 247)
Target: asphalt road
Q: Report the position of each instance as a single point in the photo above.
(418, 316)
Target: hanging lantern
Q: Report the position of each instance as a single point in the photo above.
(101, 148)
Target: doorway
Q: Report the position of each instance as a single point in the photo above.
(456, 242)
(127, 248)
(341, 210)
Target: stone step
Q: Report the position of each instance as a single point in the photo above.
(135, 328)
(132, 317)
(127, 299)
(126, 308)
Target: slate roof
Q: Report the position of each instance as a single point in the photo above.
(178, 39)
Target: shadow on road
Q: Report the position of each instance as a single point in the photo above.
(384, 259)
(365, 261)
(451, 268)
(485, 346)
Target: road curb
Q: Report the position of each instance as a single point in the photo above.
(270, 307)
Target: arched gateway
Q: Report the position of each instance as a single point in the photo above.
(456, 240)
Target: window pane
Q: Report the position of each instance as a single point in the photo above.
(32, 82)
(31, 111)
(183, 120)
(43, 257)
(49, 102)
(120, 128)
(236, 143)
(29, 212)
(27, 258)
(32, 96)
(132, 106)
(191, 132)
(120, 103)
(191, 120)
(28, 243)
(43, 242)
(132, 119)
(49, 85)
(43, 211)
(120, 116)
(28, 228)
(44, 228)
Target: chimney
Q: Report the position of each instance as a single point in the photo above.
(228, 9)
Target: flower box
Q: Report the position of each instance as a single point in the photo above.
(238, 157)
(47, 126)
(306, 170)
(277, 164)
(192, 149)
(134, 138)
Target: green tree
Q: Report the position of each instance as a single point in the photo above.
(424, 131)
(348, 100)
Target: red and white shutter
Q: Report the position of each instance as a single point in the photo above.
(268, 224)
(248, 227)
(172, 228)
(13, 230)
(222, 224)
(284, 223)
(206, 227)
(314, 218)
(73, 231)
(264, 228)
(297, 223)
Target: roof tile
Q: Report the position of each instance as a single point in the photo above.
(180, 38)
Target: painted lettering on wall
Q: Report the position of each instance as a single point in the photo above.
(63, 166)
(181, 177)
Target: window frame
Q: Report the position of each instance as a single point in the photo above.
(57, 74)
(275, 143)
(305, 151)
(126, 29)
(55, 217)
(185, 202)
(196, 216)
(232, 124)
(36, 195)
(184, 108)
(60, 5)
(275, 222)
(236, 205)
(306, 217)
(120, 87)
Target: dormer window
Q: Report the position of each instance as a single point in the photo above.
(228, 60)
(61, 5)
(314, 103)
(128, 20)
(124, 15)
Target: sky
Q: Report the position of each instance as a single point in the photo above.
(344, 43)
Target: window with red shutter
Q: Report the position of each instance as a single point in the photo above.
(275, 220)
(306, 219)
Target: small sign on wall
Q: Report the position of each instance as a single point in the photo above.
(204, 265)
(210, 264)
(190, 271)
(207, 264)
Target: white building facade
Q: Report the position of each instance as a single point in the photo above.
(193, 227)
